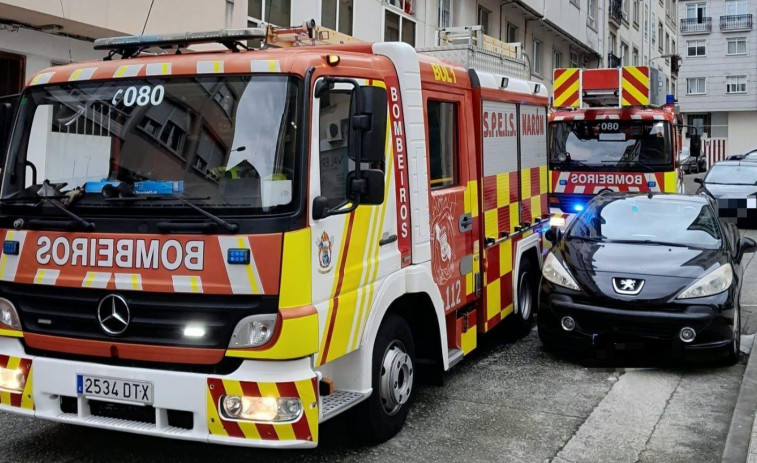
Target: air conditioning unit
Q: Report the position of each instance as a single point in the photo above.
(334, 132)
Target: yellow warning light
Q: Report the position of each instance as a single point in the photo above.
(333, 60)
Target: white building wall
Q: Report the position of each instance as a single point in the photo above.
(741, 126)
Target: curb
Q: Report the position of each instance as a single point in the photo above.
(739, 434)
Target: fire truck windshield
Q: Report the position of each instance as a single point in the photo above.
(231, 141)
(610, 145)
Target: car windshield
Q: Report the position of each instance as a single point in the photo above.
(230, 141)
(655, 220)
(610, 145)
(732, 174)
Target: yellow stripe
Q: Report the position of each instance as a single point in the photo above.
(503, 189)
(468, 340)
(272, 65)
(214, 420)
(75, 74)
(634, 71)
(40, 276)
(283, 430)
(249, 430)
(27, 400)
(505, 257)
(543, 184)
(121, 70)
(216, 66)
(89, 279)
(525, 182)
(36, 79)
(640, 97)
(506, 311)
(493, 306)
(563, 97)
(164, 68)
(564, 77)
(11, 333)
(309, 404)
(135, 281)
(671, 182)
(4, 259)
(491, 224)
(514, 216)
(296, 270)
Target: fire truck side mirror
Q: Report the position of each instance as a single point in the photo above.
(368, 124)
(368, 189)
(695, 146)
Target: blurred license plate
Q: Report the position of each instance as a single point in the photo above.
(114, 389)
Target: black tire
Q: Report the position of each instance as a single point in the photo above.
(527, 296)
(734, 350)
(384, 413)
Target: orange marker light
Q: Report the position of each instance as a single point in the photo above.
(333, 60)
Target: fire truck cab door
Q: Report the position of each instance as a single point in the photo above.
(350, 252)
(452, 219)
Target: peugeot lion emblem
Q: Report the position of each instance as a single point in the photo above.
(113, 314)
(627, 286)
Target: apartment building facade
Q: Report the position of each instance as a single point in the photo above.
(718, 82)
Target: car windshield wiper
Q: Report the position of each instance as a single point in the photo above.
(652, 242)
(585, 238)
(52, 199)
(574, 162)
(228, 226)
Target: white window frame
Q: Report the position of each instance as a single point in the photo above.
(736, 40)
(508, 27)
(696, 47)
(536, 60)
(635, 57)
(591, 14)
(395, 10)
(574, 59)
(556, 59)
(738, 83)
(704, 84)
(258, 21)
(740, 5)
(636, 13)
(624, 50)
(695, 6)
(482, 9)
(448, 11)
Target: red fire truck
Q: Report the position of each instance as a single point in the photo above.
(608, 131)
(236, 246)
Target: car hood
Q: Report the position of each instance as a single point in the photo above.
(665, 270)
(730, 191)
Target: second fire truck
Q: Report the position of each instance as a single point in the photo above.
(609, 130)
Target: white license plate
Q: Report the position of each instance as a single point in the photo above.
(115, 389)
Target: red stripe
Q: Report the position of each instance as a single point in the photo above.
(572, 100)
(300, 427)
(216, 391)
(4, 361)
(631, 79)
(559, 72)
(266, 431)
(338, 288)
(566, 85)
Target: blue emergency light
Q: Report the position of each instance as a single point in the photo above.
(11, 248)
(238, 256)
(578, 207)
(563, 182)
(651, 184)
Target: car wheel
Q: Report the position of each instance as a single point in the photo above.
(527, 296)
(383, 414)
(734, 350)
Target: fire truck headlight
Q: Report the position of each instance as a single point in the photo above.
(12, 380)
(270, 409)
(253, 331)
(8, 315)
(558, 222)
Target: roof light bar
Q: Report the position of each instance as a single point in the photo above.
(182, 39)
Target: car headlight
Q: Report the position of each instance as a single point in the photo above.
(253, 331)
(556, 273)
(714, 282)
(8, 315)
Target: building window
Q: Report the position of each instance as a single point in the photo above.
(625, 9)
(591, 12)
(537, 57)
(483, 19)
(398, 28)
(442, 143)
(659, 34)
(635, 56)
(636, 13)
(512, 33)
(735, 84)
(337, 15)
(445, 13)
(646, 21)
(624, 54)
(611, 44)
(573, 59)
(276, 12)
(695, 86)
(696, 11)
(702, 122)
(697, 47)
(556, 59)
(734, 7)
(737, 46)
(407, 6)
(667, 43)
(576, 3)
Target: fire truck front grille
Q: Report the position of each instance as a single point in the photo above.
(156, 318)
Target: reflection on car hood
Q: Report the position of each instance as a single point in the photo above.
(730, 191)
(642, 259)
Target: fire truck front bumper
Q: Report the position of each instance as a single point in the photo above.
(275, 403)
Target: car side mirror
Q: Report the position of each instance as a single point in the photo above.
(368, 188)
(747, 245)
(553, 235)
(698, 180)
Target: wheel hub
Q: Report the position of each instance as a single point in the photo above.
(397, 374)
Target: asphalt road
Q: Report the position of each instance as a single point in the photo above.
(510, 401)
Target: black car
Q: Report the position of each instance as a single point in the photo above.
(638, 267)
(733, 185)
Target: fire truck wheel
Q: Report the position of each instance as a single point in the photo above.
(526, 296)
(393, 380)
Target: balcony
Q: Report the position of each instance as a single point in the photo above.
(696, 25)
(613, 61)
(736, 22)
(616, 11)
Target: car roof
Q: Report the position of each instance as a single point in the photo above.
(737, 162)
(662, 197)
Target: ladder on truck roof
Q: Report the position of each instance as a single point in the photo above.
(627, 86)
(471, 48)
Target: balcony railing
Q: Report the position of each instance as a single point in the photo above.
(736, 22)
(696, 25)
(616, 11)
(613, 61)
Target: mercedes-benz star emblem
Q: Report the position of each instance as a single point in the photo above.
(628, 286)
(113, 314)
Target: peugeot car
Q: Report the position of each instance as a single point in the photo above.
(644, 267)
